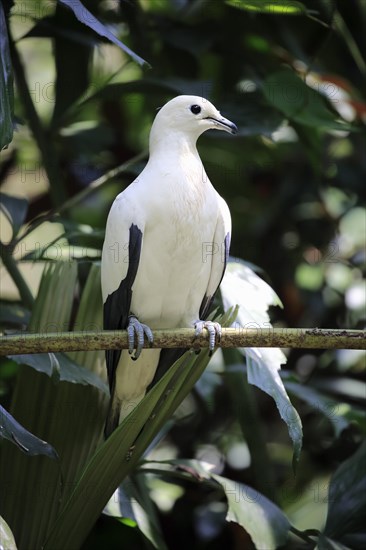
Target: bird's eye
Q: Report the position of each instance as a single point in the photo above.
(195, 109)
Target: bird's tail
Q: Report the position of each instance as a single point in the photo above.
(131, 380)
(118, 411)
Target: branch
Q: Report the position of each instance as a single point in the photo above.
(184, 338)
(45, 143)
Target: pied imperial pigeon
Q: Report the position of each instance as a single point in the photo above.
(165, 250)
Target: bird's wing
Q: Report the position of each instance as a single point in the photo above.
(120, 260)
(221, 245)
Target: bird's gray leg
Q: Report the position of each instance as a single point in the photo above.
(135, 328)
(214, 332)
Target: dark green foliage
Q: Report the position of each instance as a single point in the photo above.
(291, 75)
(6, 85)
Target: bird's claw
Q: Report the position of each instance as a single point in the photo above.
(135, 328)
(214, 332)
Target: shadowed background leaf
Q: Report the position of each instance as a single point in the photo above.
(291, 75)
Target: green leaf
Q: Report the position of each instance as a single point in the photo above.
(90, 317)
(87, 18)
(53, 305)
(59, 367)
(263, 373)
(25, 441)
(339, 414)
(120, 453)
(347, 501)
(13, 314)
(7, 541)
(254, 296)
(274, 7)
(151, 86)
(266, 524)
(242, 286)
(6, 85)
(111, 463)
(14, 209)
(72, 61)
(252, 114)
(288, 93)
(69, 416)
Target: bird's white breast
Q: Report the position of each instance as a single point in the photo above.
(173, 271)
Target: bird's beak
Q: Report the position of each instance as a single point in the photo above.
(223, 123)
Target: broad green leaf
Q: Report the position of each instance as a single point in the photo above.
(14, 209)
(52, 310)
(262, 368)
(274, 7)
(347, 501)
(59, 367)
(266, 524)
(90, 317)
(7, 541)
(112, 462)
(152, 86)
(252, 114)
(72, 60)
(25, 441)
(288, 93)
(339, 414)
(70, 416)
(6, 85)
(118, 455)
(87, 18)
(242, 286)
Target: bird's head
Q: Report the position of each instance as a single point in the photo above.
(191, 115)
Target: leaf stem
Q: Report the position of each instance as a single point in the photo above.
(45, 144)
(82, 195)
(304, 535)
(14, 272)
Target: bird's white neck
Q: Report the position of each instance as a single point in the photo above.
(175, 143)
(174, 155)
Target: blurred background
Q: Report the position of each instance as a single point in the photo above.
(291, 75)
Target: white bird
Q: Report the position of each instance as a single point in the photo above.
(165, 250)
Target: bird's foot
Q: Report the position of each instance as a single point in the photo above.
(214, 332)
(137, 330)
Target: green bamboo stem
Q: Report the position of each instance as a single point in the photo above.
(18, 344)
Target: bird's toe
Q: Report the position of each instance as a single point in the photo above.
(131, 336)
(214, 332)
(199, 326)
(138, 331)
